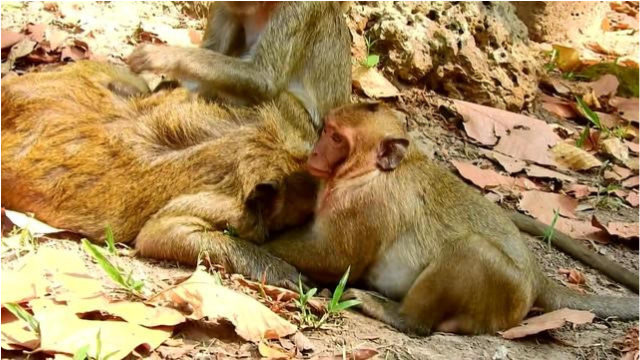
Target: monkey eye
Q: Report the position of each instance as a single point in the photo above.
(336, 138)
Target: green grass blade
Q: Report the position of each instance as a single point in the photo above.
(23, 315)
(347, 304)
(337, 294)
(588, 113)
(109, 240)
(81, 353)
(583, 137)
(106, 265)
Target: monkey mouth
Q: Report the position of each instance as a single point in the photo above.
(325, 174)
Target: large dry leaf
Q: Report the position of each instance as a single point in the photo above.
(18, 287)
(540, 172)
(548, 321)
(252, 320)
(568, 59)
(519, 136)
(10, 38)
(622, 230)
(633, 199)
(132, 312)
(614, 147)
(372, 83)
(508, 163)
(627, 108)
(633, 147)
(606, 85)
(631, 182)
(581, 191)
(541, 205)
(486, 178)
(617, 173)
(16, 334)
(63, 332)
(35, 226)
(573, 157)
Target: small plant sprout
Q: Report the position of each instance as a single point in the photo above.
(370, 60)
(22, 314)
(551, 229)
(109, 240)
(551, 65)
(115, 273)
(583, 137)
(590, 115)
(306, 317)
(335, 306)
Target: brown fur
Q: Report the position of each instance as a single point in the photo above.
(449, 259)
(166, 171)
(258, 51)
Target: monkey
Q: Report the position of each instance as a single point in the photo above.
(254, 51)
(447, 258)
(166, 172)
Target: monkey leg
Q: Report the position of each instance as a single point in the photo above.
(185, 238)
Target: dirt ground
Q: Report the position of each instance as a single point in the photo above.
(445, 141)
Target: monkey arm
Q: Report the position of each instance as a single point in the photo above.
(315, 255)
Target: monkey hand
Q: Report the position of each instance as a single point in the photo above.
(156, 58)
(284, 275)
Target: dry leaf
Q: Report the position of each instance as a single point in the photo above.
(632, 199)
(628, 109)
(617, 173)
(540, 172)
(633, 147)
(252, 320)
(631, 182)
(272, 352)
(36, 227)
(63, 332)
(581, 191)
(303, 344)
(18, 287)
(620, 229)
(10, 38)
(541, 205)
(508, 163)
(372, 83)
(573, 157)
(486, 178)
(195, 37)
(132, 312)
(519, 136)
(35, 32)
(56, 38)
(606, 85)
(16, 335)
(614, 147)
(548, 321)
(573, 276)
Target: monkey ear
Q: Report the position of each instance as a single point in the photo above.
(391, 152)
(263, 195)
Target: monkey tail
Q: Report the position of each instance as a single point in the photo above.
(554, 296)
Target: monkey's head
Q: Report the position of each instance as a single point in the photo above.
(247, 8)
(357, 139)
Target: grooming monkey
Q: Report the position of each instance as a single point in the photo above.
(449, 259)
(255, 51)
(166, 171)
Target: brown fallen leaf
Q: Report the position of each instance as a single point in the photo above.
(16, 334)
(302, 343)
(613, 146)
(10, 38)
(633, 147)
(573, 157)
(606, 85)
(573, 276)
(568, 59)
(548, 321)
(617, 173)
(632, 199)
(629, 344)
(63, 332)
(508, 163)
(541, 205)
(559, 106)
(132, 312)
(622, 230)
(626, 108)
(195, 36)
(200, 293)
(540, 172)
(486, 178)
(56, 37)
(372, 83)
(519, 136)
(631, 182)
(581, 191)
(272, 352)
(35, 32)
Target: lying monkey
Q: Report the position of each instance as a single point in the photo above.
(449, 259)
(164, 171)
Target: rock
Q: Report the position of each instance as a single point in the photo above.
(467, 50)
